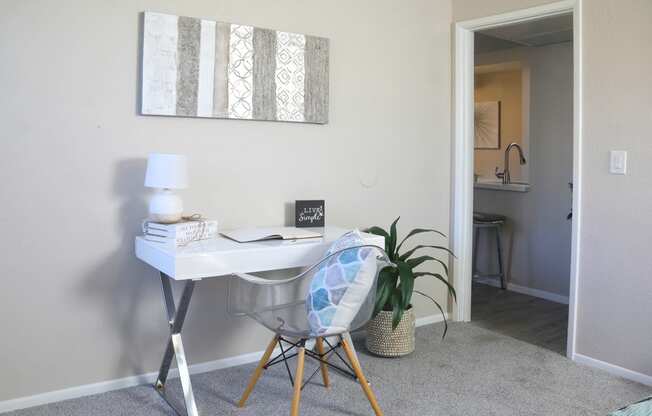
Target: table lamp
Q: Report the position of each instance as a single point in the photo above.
(166, 173)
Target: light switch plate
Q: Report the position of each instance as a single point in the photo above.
(618, 162)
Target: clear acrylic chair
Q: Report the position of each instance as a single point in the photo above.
(280, 306)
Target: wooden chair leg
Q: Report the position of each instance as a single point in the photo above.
(258, 371)
(298, 381)
(361, 378)
(324, 368)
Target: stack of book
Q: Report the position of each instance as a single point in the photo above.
(180, 233)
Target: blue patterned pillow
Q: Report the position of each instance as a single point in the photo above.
(340, 286)
(642, 408)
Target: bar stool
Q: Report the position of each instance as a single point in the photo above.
(489, 222)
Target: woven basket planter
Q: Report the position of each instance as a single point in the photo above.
(382, 341)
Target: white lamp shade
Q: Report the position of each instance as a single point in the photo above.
(166, 171)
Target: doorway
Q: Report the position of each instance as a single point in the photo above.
(466, 146)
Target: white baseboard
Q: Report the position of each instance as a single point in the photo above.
(430, 319)
(122, 383)
(148, 378)
(613, 369)
(553, 297)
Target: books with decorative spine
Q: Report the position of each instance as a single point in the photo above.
(181, 233)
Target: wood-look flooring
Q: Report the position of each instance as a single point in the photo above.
(526, 318)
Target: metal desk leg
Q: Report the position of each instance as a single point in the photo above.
(176, 316)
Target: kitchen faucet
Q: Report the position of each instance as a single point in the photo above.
(504, 175)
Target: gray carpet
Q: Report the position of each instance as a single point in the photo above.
(472, 372)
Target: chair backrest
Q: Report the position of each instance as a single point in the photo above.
(342, 291)
(289, 306)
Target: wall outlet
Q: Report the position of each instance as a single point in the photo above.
(618, 162)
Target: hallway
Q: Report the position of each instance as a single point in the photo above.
(537, 321)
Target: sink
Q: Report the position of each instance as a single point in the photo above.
(497, 185)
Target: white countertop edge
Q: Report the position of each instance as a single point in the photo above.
(510, 187)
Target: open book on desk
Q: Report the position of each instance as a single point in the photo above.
(249, 235)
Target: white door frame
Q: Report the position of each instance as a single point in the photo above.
(462, 186)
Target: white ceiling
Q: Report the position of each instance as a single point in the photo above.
(540, 32)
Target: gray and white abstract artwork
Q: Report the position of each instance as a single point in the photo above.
(202, 68)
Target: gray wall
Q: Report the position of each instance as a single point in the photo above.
(615, 283)
(538, 235)
(77, 307)
(616, 265)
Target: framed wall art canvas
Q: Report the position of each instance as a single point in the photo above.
(487, 125)
(202, 68)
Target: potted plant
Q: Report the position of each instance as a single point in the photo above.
(390, 333)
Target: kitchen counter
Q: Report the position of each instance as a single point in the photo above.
(496, 185)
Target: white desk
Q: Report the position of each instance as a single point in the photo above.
(216, 258)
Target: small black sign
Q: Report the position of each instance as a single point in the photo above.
(309, 213)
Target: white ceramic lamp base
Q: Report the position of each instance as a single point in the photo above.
(165, 207)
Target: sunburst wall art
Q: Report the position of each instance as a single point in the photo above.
(487, 125)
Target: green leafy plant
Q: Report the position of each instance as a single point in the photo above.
(396, 282)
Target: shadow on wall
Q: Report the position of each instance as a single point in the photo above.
(127, 294)
(121, 281)
(289, 214)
